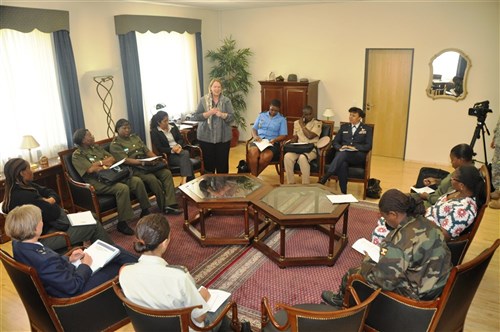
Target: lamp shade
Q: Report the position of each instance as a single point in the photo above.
(328, 113)
(29, 142)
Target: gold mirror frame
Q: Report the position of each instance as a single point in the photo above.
(438, 88)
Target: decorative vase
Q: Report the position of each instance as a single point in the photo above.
(235, 137)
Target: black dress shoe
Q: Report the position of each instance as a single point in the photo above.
(324, 179)
(172, 210)
(124, 228)
(145, 212)
(334, 299)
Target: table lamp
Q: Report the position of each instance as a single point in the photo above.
(29, 142)
(328, 113)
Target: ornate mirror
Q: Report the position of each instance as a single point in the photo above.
(448, 75)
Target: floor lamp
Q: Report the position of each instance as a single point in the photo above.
(28, 143)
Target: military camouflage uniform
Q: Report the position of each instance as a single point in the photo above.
(414, 261)
(160, 182)
(83, 158)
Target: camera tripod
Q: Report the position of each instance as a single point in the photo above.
(480, 129)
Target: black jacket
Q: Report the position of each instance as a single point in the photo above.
(160, 142)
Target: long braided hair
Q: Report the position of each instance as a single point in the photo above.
(12, 171)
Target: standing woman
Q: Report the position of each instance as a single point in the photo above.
(215, 113)
(166, 138)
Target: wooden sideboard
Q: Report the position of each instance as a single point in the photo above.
(293, 96)
(50, 176)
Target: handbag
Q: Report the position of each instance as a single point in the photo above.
(373, 190)
(298, 148)
(243, 167)
(113, 175)
(152, 168)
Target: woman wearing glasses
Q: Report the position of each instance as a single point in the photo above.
(454, 211)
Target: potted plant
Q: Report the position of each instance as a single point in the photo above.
(231, 67)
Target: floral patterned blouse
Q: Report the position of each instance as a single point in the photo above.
(454, 215)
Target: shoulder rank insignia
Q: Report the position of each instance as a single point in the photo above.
(383, 251)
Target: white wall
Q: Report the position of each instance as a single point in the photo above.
(328, 42)
(325, 42)
(97, 51)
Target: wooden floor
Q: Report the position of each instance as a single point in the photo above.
(393, 173)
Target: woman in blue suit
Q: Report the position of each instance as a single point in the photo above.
(62, 276)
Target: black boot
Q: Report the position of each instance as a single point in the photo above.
(325, 178)
(145, 212)
(124, 228)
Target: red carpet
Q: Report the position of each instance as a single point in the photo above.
(249, 275)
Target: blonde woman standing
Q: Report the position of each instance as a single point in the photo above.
(215, 115)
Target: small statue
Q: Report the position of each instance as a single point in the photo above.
(44, 162)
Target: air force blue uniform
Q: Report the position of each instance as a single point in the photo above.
(361, 140)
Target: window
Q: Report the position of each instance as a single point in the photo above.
(169, 72)
(30, 102)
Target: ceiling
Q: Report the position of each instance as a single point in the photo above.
(248, 4)
(232, 5)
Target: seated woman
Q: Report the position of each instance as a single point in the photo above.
(453, 212)
(132, 148)
(270, 125)
(20, 189)
(62, 276)
(460, 154)
(166, 138)
(153, 283)
(414, 262)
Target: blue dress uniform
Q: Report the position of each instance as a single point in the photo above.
(60, 277)
(361, 140)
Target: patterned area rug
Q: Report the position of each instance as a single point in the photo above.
(249, 275)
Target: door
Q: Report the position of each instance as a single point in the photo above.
(387, 98)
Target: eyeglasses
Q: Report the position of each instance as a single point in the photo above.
(456, 179)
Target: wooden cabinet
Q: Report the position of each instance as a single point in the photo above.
(293, 96)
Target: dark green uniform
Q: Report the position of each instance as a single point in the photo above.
(414, 261)
(82, 160)
(160, 182)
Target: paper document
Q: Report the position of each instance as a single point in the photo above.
(81, 218)
(364, 246)
(348, 149)
(101, 253)
(263, 144)
(339, 199)
(150, 158)
(217, 297)
(428, 190)
(118, 163)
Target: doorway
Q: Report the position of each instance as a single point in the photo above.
(388, 74)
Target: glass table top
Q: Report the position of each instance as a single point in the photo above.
(291, 200)
(220, 187)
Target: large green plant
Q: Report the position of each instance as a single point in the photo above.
(231, 67)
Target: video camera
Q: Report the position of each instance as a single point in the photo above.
(480, 110)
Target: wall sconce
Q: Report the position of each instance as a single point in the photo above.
(328, 113)
(28, 143)
(103, 89)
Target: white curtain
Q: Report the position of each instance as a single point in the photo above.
(169, 73)
(29, 95)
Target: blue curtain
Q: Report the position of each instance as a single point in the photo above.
(199, 60)
(68, 84)
(132, 80)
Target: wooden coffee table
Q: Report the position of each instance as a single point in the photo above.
(289, 206)
(214, 194)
